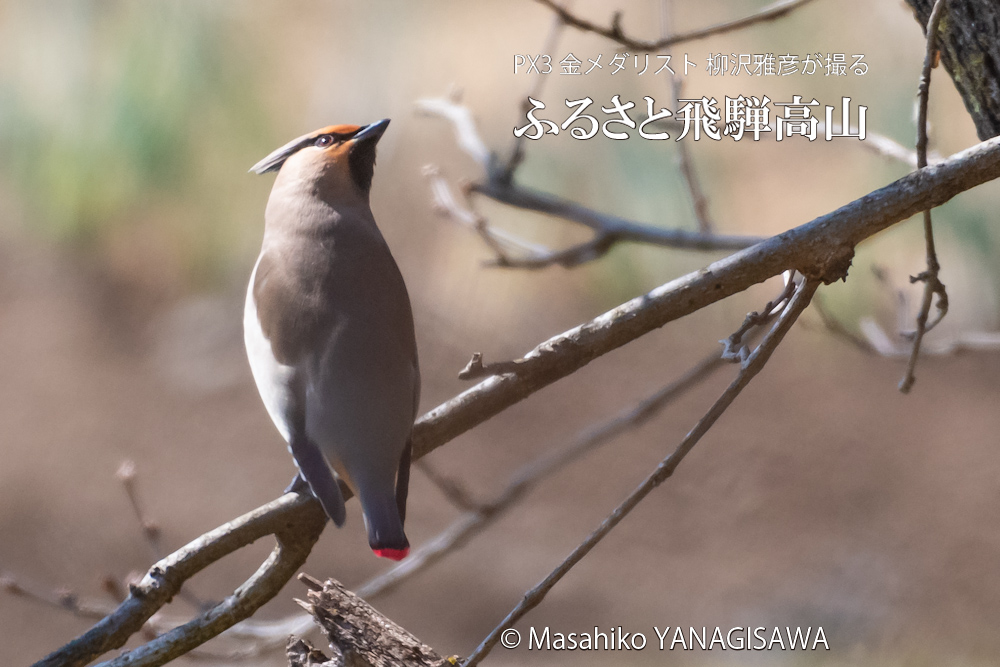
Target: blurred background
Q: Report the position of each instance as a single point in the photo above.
(128, 228)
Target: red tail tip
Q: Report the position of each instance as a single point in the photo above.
(392, 554)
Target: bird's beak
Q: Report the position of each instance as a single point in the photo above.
(277, 158)
(371, 133)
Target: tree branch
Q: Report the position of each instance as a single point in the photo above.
(932, 284)
(614, 31)
(611, 227)
(295, 520)
(513, 252)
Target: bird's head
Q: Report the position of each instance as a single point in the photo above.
(339, 156)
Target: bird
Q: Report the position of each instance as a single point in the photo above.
(329, 331)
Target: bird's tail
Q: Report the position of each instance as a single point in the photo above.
(385, 526)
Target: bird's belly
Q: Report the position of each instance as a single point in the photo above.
(272, 377)
(359, 401)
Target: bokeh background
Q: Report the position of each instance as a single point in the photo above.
(128, 227)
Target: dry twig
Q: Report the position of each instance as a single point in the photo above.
(512, 252)
(932, 284)
(615, 33)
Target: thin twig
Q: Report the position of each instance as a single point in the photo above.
(932, 284)
(621, 229)
(750, 368)
(512, 252)
(64, 600)
(688, 173)
(879, 341)
(735, 348)
(127, 475)
(837, 328)
(615, 33)
(506, 173)
(698, 199)
(452, 489)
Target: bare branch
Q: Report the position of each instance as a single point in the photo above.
(502, 243)
(614, 31)
(608, 230)
(750, 368)
(127, 475)
(837, 328)
(295, 520)
(452, 489)
(64, 600)
(696, 193)
(548, 46)
(699, 202)
(735, 348)
(879, 341)
(461, 119)
(932, 284)
(619, 229)
(150, 529)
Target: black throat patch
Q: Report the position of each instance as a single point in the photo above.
(362, 165)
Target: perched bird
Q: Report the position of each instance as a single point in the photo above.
(329, 330)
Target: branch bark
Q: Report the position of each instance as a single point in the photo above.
(295, 520)
(362, 635)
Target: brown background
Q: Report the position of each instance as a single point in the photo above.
(823, 497)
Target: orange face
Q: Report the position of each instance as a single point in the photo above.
(335, 140)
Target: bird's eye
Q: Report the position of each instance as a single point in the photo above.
(324, 140)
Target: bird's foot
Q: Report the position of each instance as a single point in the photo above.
(298, 485)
